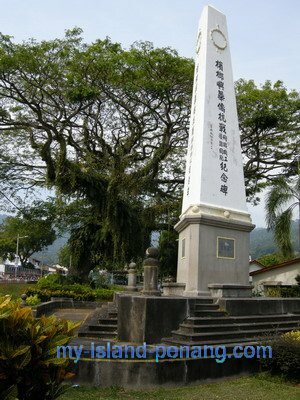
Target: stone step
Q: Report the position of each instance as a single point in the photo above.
(209, 313)
(103, 328)
(108, 321)
(189, 328)
(97, 334)
(239, 319)
(206, 307)
(229, 343)
(112, 314)
(204, 300)
(235, 335)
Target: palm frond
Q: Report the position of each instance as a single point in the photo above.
(282, 231)
(279, 195)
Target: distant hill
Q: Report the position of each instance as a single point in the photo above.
(50, 254)
(261, 242)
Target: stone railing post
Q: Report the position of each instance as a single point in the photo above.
(131, 287)
(151, 272)
(23, 297)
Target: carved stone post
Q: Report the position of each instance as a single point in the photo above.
(151, 272)
(132, 278)
(23, 297)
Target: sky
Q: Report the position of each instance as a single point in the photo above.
(264, 35)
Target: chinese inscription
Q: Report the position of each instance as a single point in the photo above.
(223, 142)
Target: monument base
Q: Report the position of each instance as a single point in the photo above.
(196, 293)
(213, 248)
(151, 293)
(230, 291)
(131, 289)
(173, 289)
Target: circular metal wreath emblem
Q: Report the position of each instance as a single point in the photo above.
(218, 38)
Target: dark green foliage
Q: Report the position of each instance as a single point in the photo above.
(273, 259)
(290, 292)
(285, 359)
(35, 227)
(268, 118)
(168, 252)
(72, 292)
(56, 285)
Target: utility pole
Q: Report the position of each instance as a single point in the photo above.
(17, 253)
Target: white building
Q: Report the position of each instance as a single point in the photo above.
(280, 274)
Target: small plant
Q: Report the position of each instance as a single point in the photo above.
(33, 300)
(273, 292)
(29, 368)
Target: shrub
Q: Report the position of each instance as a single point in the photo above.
(49, 281)
(56, 281)
(285, 359)
(33, 300)
(29, 368)
(273, 292)
(293, 291)
(88, 295)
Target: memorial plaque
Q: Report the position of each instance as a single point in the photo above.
(225, 248)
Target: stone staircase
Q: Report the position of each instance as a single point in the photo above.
(102, 324)
(208, 325)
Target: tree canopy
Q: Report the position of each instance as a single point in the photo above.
(269, 118)
(35, 228)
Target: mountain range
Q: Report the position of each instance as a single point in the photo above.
(261, 242)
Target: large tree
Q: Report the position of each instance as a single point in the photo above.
(106, 127)
(269, 118)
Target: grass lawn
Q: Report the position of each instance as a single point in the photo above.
(259, 387)
(14, 289)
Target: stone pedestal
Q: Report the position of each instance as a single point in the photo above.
(151, 273)
(230, 291)
(132, 278)
(203, 257)
(173, 289)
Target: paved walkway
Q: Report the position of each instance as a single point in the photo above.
(73, 314)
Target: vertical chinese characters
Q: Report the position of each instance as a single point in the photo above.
(223, 153)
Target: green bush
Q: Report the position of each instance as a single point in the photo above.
(88, 295)
(56, 281)
(50, 280)
(33, 300)
(56, 285)
(273, 292)
(29, 368)
(290, 292)
(285, 359)
(293, 291)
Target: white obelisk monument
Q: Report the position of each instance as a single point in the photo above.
(214, 225)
